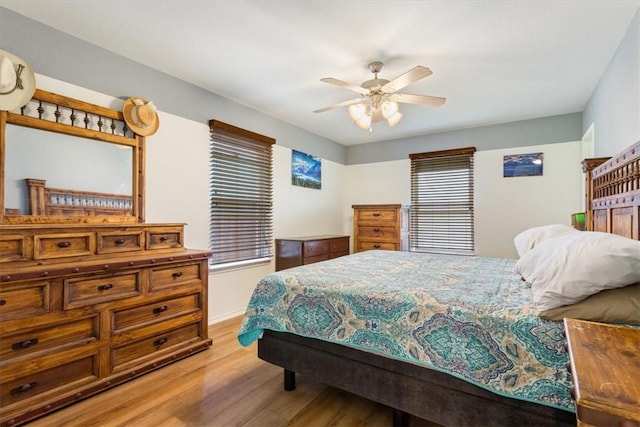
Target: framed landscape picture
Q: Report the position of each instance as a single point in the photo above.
(529, 164)
(306, 170)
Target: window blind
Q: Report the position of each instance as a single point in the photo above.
(240, 194)
(441, 218)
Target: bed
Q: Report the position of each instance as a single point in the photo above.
(455, 340)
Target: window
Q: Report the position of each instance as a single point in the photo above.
(240, 190)
(442, 201)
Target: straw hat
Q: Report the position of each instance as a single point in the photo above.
(17, 82)
(141, 116)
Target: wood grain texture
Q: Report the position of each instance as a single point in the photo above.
(377, 227)
(74, 324)
(226, 385)
(605, 368)
(613, 193)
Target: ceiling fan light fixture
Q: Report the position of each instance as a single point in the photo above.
(393, 120)
(356, 111)
(364, 122)
(379, 97)
(376, 115)
(389, 109)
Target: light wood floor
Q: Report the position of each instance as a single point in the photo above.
(226, 385)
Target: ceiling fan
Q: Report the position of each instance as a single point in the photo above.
(379, 98)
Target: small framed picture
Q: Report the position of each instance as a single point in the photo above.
(306, 170)
(529, 164)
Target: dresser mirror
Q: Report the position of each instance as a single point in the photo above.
(67, 161)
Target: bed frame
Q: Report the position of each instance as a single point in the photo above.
(613, 204)
(613, 193)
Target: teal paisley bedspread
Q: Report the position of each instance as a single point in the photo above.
(471, 317)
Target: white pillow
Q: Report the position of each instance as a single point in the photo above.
(569, 268)
(528, 239)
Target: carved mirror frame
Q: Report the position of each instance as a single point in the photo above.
(46, 111)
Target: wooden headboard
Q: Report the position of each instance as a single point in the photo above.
(58, 201)
(613, 193)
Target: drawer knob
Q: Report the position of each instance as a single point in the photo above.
(63, 244)
(176, 274)
(119, 241)
(24, 344)
(376, 246)
(105, 287)
(376, 214)
(3, 301)
(24, 388)
(376, 230)
(161, 309)
(160, 342)
(163, 238)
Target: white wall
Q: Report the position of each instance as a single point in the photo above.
(506, 206)
(375, 183)
(614, 106)
(300, 211)
(503, 206)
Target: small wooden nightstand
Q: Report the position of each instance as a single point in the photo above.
(604, 361)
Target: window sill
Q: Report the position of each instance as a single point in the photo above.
(238, 265)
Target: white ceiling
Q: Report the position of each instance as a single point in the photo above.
(494, 61)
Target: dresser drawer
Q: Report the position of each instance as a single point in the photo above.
(26, 386)
(338, 245)
(164, 239)
(24, 300)
(377, 215)
(120, 242)
(366, 246)
(377, 232)
(312, 259)
(157, 343)
(175, 276)
(14, 248)
(158, 311)
(315, 248)
(73, 332)
(99, 289)
(63, 245)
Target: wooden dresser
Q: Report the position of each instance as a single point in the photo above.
(85, 308)
(380, 227)
(306, 250)
(91, 296)
(604, 361)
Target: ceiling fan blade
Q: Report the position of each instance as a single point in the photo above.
(342, 104)
(343, 84)
(415, 74)
(435, 101)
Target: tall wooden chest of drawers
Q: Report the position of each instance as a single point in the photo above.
(84, 308)
(380, 227)
(306, 250)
